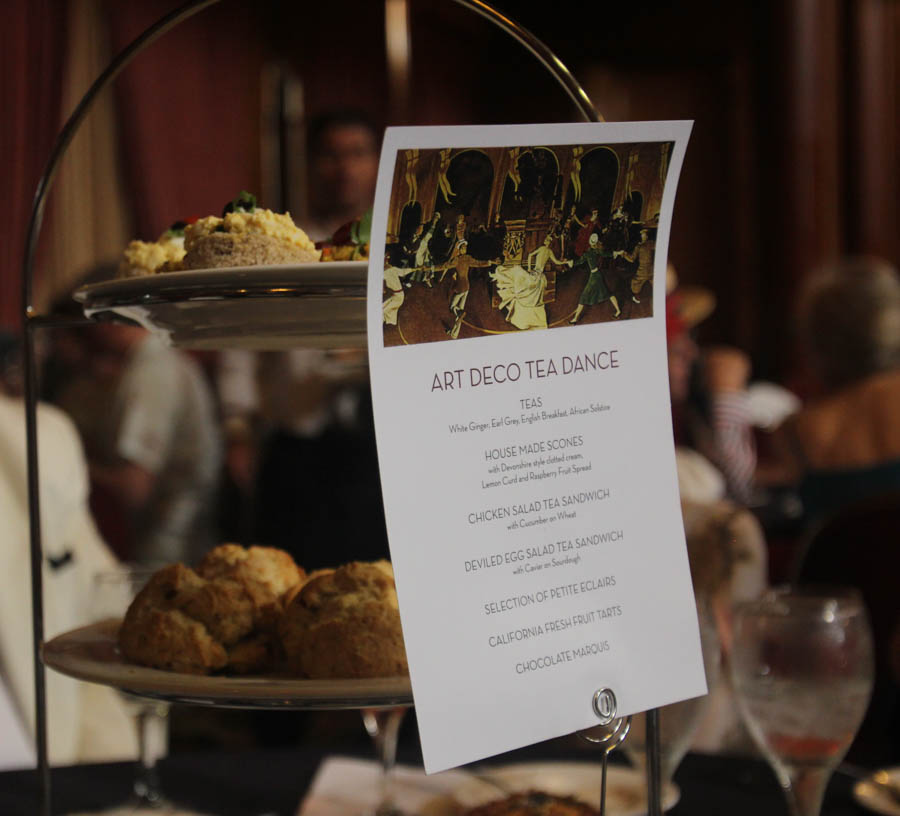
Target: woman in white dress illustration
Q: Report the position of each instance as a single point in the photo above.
(522, 290)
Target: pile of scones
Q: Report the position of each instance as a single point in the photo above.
(255, 611)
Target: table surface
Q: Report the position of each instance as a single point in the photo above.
(273, 781)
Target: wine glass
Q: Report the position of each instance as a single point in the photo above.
(678, 722)
(803, 669)
(113, 591)
(383, 726)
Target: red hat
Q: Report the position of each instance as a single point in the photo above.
(686, 306)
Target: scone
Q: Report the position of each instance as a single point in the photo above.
(266, 575)
(158, 632)
(246, 235)
(220, 616)
(345, 623)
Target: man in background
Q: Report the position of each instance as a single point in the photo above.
(300, 442)
(344, 149)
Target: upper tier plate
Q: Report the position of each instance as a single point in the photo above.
(90, 653)
(266, 308)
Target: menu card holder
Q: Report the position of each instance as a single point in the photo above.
(611, 732)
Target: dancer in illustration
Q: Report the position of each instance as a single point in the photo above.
(575, 173)
(566, 243)
(410, 245)
(394, 287)
(443, 181)
(538, 258)
(521, 293)
(588, 228)
(629, 174)
(461, 228)
(595, 290)
(643, 254)
(513, 171)
(423, 262)
(461, 263)
(412, 183)
(664, 161)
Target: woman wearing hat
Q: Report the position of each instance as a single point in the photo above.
(710, 404)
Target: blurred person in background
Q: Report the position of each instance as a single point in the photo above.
(148, 420)
(844, 443)
(712, 420)
(344, 150)
(300, 439)
(86, 722)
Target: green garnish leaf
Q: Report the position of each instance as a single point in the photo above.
(176, 230)
(243, 202)
(361, 231)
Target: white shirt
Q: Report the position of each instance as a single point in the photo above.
(165, 421)
(85, 722)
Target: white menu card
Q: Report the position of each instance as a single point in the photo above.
(517, 349)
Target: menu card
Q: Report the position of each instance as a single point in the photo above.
(516, 326)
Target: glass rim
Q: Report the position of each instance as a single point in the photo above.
(825, 601)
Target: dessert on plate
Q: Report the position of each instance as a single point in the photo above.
(220, 616)
(152, 257)
(254, 610)
(350, 241)
(246, 235)
(345, 623)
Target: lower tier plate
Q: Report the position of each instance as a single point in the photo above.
(90, 653)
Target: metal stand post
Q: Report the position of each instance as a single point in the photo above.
(654, 794)
(610, 733)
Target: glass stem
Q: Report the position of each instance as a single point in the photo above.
(805, 790)
(151, 724)
(383, 726)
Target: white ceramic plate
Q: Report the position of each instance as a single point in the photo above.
(626, 788)
(319, 305)
(871, 796)
(91, 654)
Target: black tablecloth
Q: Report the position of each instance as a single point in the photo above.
(252, 783)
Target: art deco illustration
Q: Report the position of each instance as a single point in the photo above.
(487, 241)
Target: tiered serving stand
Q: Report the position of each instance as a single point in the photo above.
(261, 308)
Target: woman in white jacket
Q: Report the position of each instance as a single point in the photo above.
(86, 723)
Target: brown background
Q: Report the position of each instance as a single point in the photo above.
(792, 160)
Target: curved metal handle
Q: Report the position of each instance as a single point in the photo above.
(172, 19)
(544, 55)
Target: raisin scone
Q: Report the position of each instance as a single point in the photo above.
(345, 623)
(221, 616)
